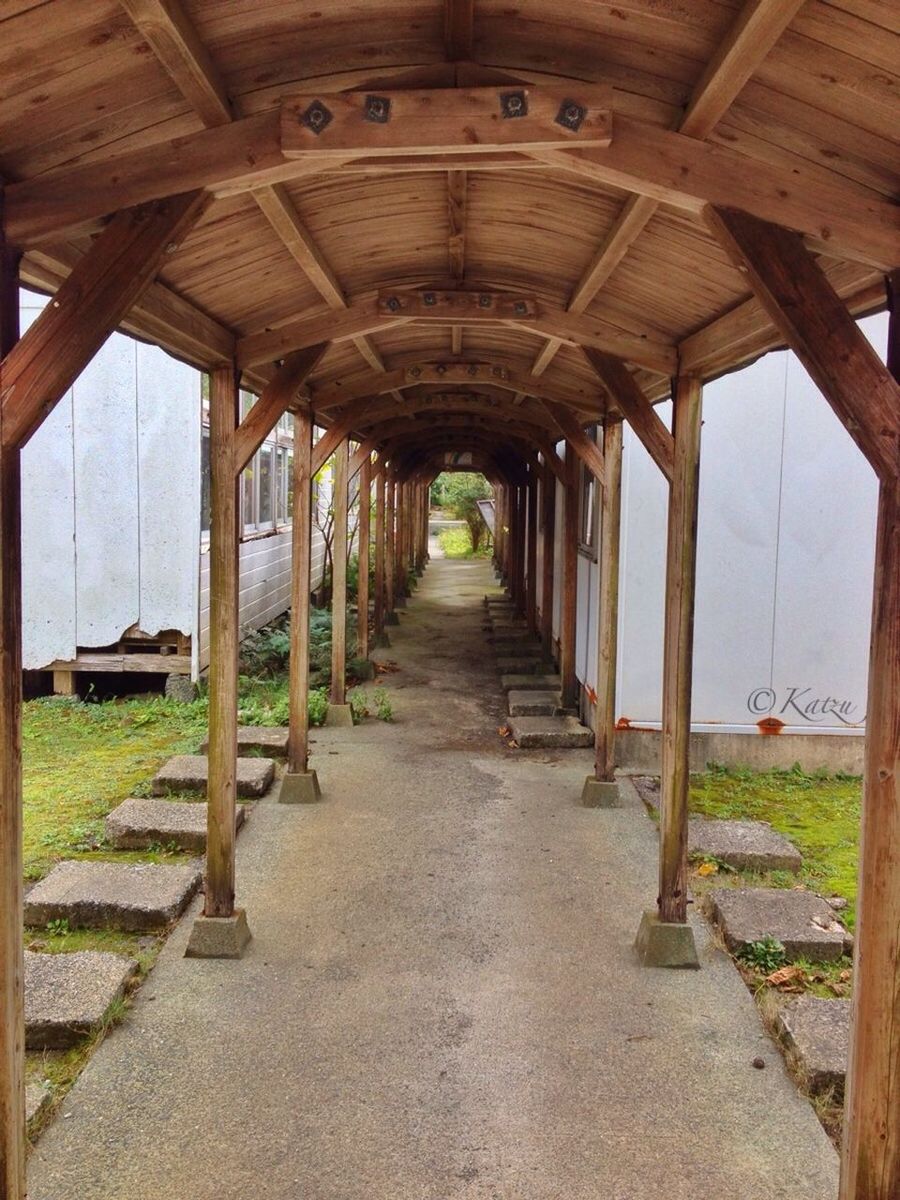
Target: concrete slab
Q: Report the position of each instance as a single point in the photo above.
(745, 845)
(102, 895)
(137, 824)
(519, 665)
(552, 733)
(530, 683)
(37, 1099)
(67, 996)
(818, 1032)
(190, 773)
(803, 923)
(523, 703)
(268, 740)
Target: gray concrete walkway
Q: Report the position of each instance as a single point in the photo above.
(440, 1001)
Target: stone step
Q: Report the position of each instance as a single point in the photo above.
(530, 683)
(532, 704)
(509, 625)
(520, 665)
(518, 637)
(271, 740)
(551, 733)
(744, 845)
(818, 1031)
(67, 996)
(131, 897)
(190, 772)
(506, 650)
(137, 824)
(803, 923)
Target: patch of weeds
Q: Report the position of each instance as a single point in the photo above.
(58, 928)
(766, 955)
(383, 709)
(359, 705)
(318, 706)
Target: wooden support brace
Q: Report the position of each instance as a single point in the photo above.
(337, 433)
(627, 396)
(280, 395)
(585, 447)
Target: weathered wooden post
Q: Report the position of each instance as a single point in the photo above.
(665, 939)
(390, 546)
(339, 713)
(363, 538)
(548, 516)
(568, 613)
(531, 551)
(221, 931)
(12, 964)
(600, 789)
(300, 785)
(381, 637)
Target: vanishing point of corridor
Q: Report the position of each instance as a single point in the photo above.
(440, 1001)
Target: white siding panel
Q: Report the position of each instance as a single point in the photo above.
(106, 495)
(168, 417)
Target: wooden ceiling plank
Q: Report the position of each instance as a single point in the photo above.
(631, 401)
(459, 24)
(175, 42)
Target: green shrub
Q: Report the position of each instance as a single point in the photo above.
(383, 709)
(359, 705)
(318, 706)
(766, 955)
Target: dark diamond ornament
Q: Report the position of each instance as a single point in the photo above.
(513, 104)
(571, 115)
(317, 117)
(377, 109)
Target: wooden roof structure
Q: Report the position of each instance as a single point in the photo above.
(464, 226)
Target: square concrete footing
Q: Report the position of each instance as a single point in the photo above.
(391, 618)
(663, 944)
(339, 716)
(381, 641)
(399, 602)
(600, 793)
(301, 787)
(364, 669)
(219, 937)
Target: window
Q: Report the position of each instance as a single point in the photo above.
(587, 535)
(284, 488)
(205, 483)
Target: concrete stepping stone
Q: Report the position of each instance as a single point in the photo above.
(744, 845)
(551, 733)
(518, 637)
(803, 923)
(504, 650)
(190, 772)
(519, 665)
(818, 1031)
(271, 740)
(530, 683)
(36, 1100)
(131, 897)
(67, 996)
(137, 824)
(523, 703)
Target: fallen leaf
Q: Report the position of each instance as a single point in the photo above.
(708, 868)
(784, 975)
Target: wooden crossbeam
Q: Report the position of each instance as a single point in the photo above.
(428, 304)
(634, 405)
(584, 330)
(440, 121)
(280, 395)
(816, 325)
(271, 344)
(87, 308)
(586, 448)
(459, 21)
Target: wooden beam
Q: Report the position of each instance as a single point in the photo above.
(380, 489)
(681, 560)
(583, 330)
(633, 218)
(281, 394)
(338, 692)
(457, 184)
(390, 543)
(634, 405)
(174, 40)
(459, 21)
(548, 520)
(428, 304)
(363, 534)
(531, 552)
(441, 121)
(224, 632)
(301, 585)
(816, 325)
(281, 214)
(101, 289)
(336, 433)
(12, 965)
(585, 447)
(608, 617)
(271, 344)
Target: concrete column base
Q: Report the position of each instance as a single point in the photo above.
(381, 641)
(219, 937)
(400, 602)
(339, 716)
(366, 668)
(301, 787)
(660, 944)
(391, 618)
(598, 793)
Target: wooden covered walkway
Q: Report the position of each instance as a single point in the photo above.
(431, 228)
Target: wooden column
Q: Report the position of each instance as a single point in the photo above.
(364, 531)
(569, 683)
(12, 966)
(390, 533)
(548, 512)
(224, 399)
(301, 547)
(338, 694)
(678, 649)
(870, 1166)
(608, 618)
(531, 551)
(380, 485)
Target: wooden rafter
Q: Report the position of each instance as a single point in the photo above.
(637, 409)
(585, 447)
(456, 214)
(459, 21)
(281, 395)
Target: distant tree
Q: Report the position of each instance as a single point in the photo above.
(459, 492)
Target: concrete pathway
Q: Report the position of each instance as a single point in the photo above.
(440, 1001)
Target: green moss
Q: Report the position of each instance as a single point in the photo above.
(820, 813)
